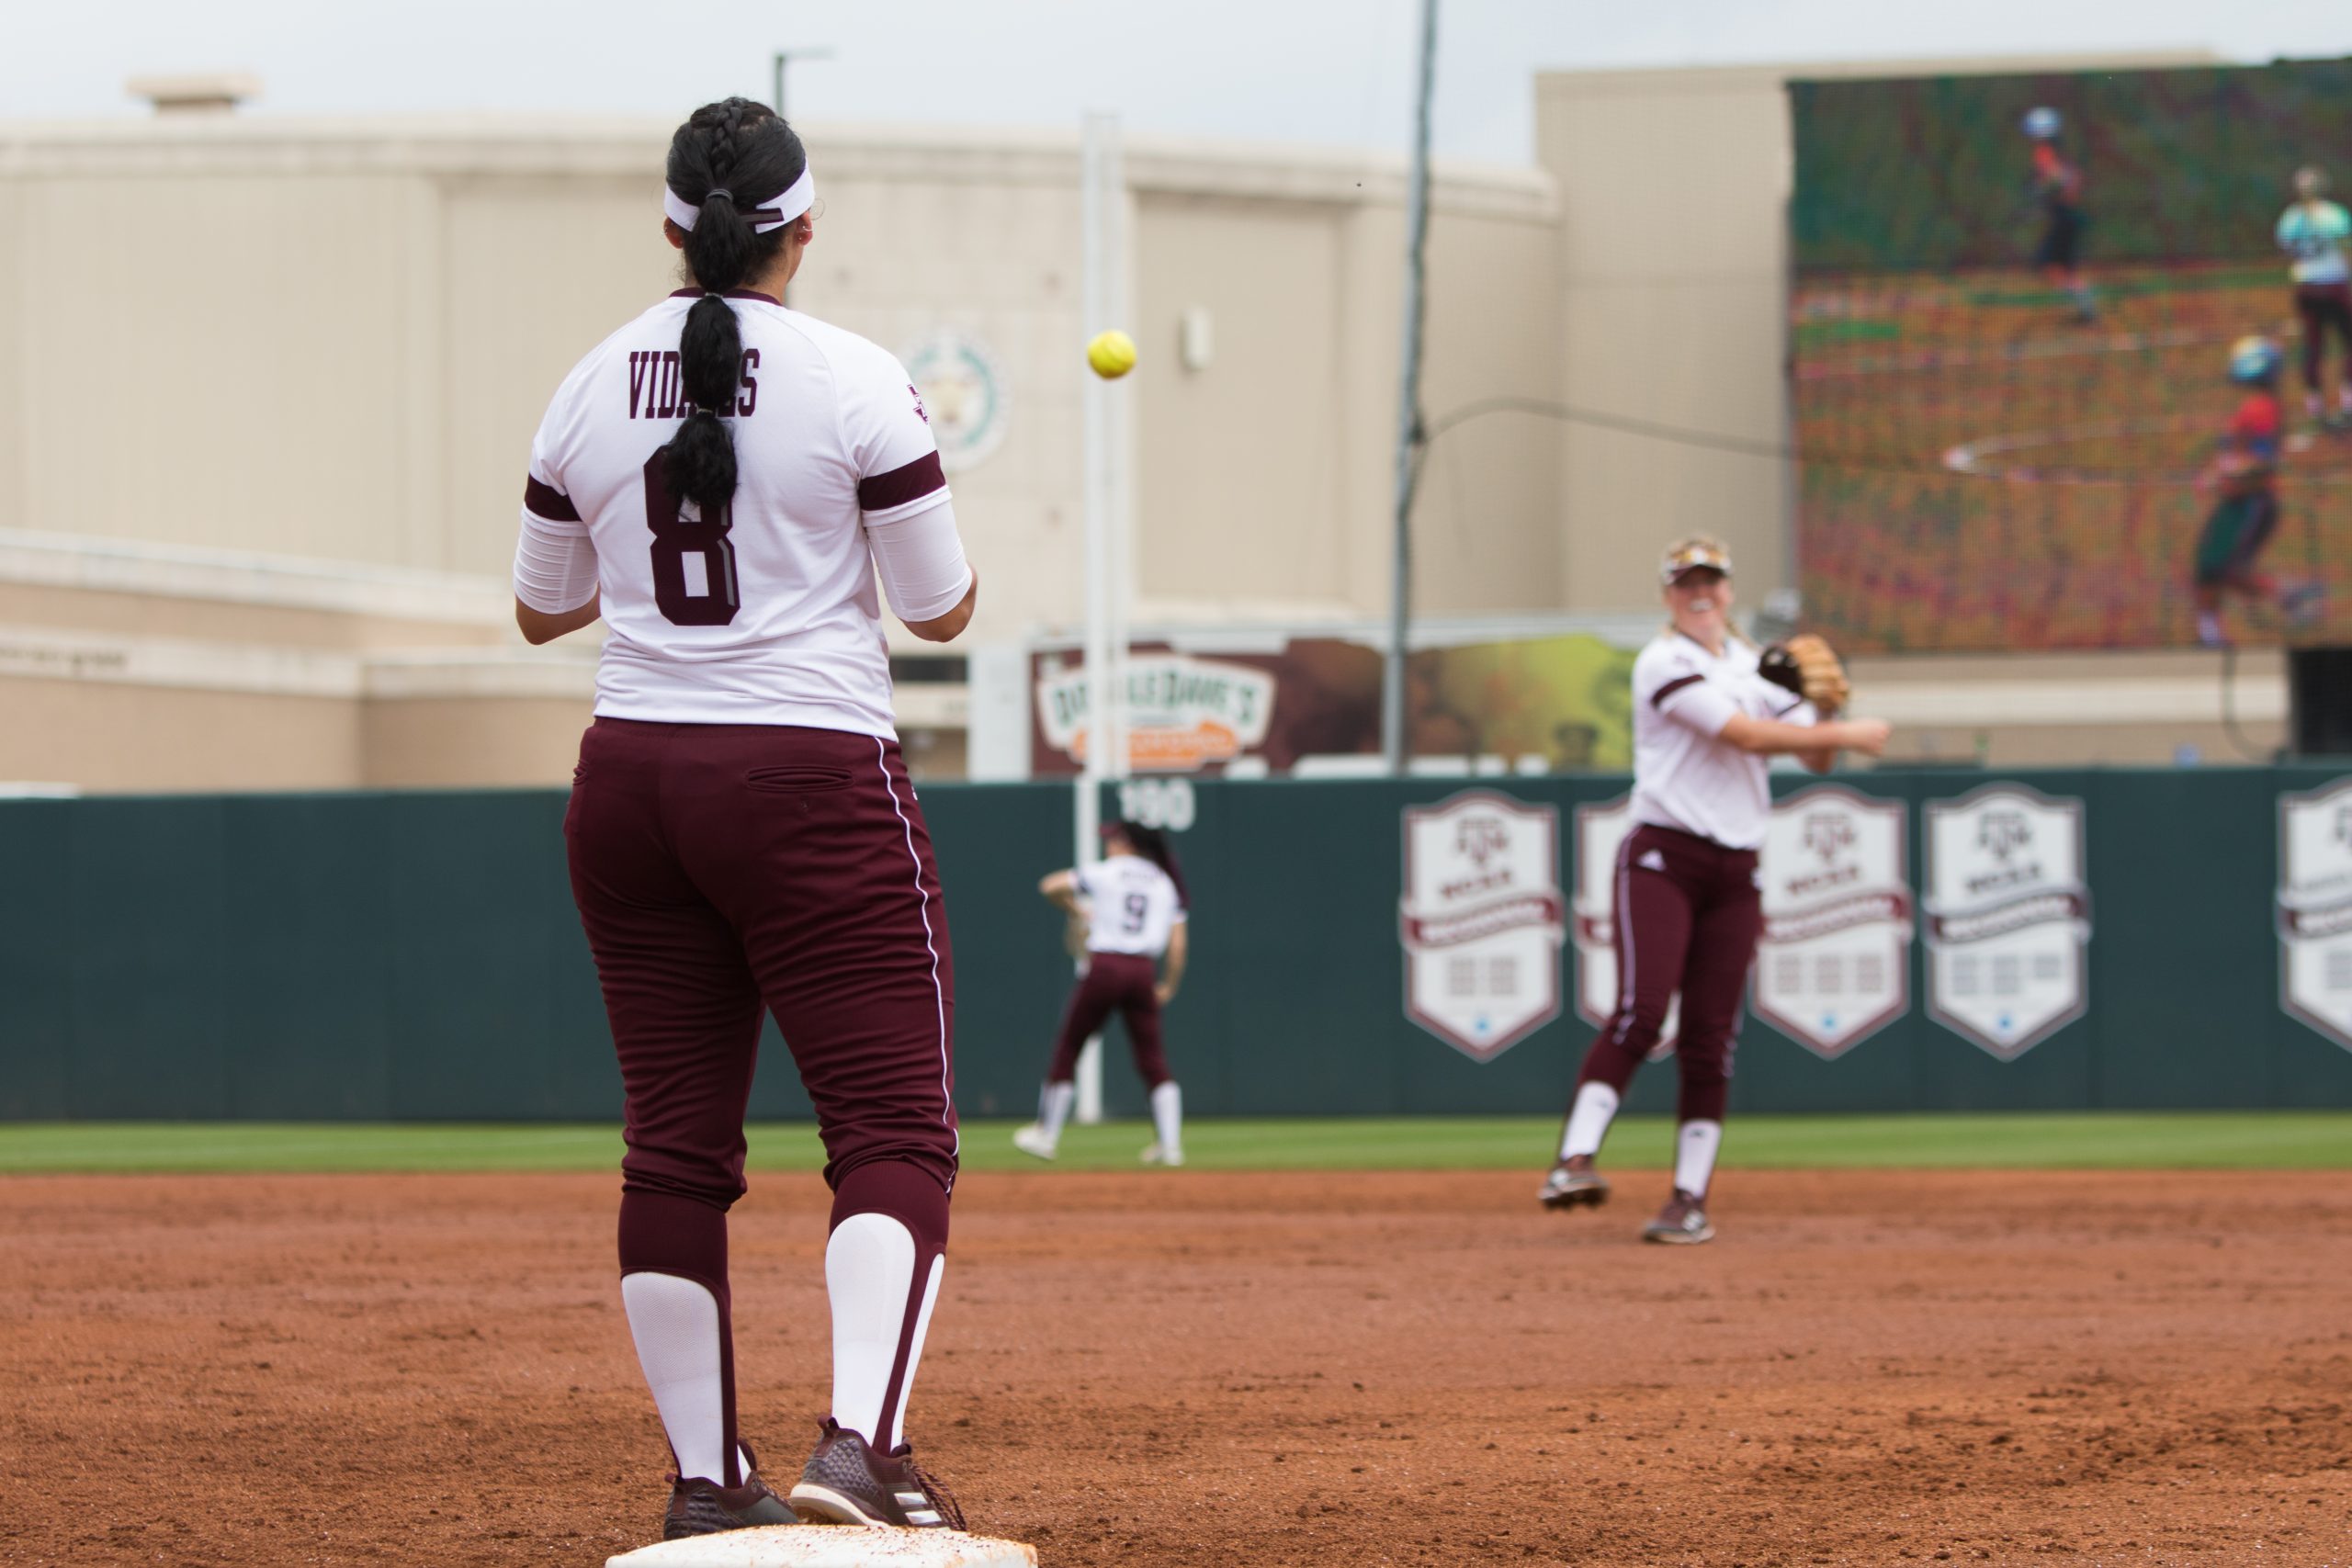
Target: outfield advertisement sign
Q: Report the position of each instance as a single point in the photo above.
(1834, 965)
(1481, 920)
(2315, 909)
(2008, 917)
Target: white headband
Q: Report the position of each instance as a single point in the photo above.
(797, 198)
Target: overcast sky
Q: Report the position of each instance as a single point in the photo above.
(1325, 70)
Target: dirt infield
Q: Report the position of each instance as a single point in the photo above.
(1196, 1369)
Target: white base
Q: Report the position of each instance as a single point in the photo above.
(830, 1546)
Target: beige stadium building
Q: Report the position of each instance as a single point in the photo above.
(262, 442)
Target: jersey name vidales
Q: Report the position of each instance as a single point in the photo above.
(2315, 909)
(1834, 965)
(1481, 920)
(2008, 913)
(1600, 830)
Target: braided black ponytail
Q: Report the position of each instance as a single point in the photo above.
(727, 159)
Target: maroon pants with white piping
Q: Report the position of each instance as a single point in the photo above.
(1124, 983)
(1688, 912)
(724, 870)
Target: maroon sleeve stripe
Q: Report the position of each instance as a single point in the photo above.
(1657, 698)
(549, 501)
(899, 486)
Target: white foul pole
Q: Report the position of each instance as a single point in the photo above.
(1409, 413)
(1102, 216)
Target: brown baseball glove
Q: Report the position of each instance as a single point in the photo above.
(1808, 666)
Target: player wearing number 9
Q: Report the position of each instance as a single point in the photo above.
(720, 479)
(1131, 904)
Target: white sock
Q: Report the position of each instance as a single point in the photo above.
(1589, 1119)
(869, 1269)
(675, 1324)
(2209, 626)
(1695, 1144)
(1168, 1118)
(1053, 1108)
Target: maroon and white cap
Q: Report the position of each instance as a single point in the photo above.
(1693, 555)
(796, 199)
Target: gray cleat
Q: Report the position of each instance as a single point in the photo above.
(1573, 1184)
(1682, 1223)
(846, 1482)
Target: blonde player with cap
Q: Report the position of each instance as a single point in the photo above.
(723, 481)
(1708, 712)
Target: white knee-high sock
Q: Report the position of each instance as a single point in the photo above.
(1589, 1119)
(869, 1276)
(675, 1324)
(1168, 1118)
(1695, 1145)
(1053, 1108)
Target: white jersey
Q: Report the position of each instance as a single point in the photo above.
(1132, 906)
(2315, 234)
(1685, 777)
(773, 617)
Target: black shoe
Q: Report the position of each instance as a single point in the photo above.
(1572, 1182)
(846, 1482)
(1682, 1223)
(701, 1506)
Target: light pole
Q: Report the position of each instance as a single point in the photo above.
(1103, 195)
(784, 57)
(1409, 414)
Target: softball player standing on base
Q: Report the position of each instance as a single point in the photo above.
(720, 480)
(1132, 903)
(1688, 907)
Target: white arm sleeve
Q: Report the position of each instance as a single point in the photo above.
(922, 562)
(555, 569)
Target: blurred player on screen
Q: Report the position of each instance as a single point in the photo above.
(2244, 473)
(2316, 232)
(2057, 188)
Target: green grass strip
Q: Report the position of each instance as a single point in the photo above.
(2283, 1140)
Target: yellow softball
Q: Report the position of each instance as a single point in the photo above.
(1112, 354)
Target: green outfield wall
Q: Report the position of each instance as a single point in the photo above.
(416, 956)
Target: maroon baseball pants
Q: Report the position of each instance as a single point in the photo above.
(1688, 913)
(2325, 308)
(724, 869)
(1126, 982)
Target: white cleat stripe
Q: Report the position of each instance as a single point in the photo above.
(809, 1492)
